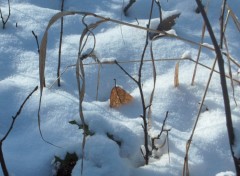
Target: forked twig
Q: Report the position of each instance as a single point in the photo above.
(14, 118)
(4, 21)
(160, 134)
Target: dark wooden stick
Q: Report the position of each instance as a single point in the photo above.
(36, 38)
(9, 13)
(230, 129)
(60, 47)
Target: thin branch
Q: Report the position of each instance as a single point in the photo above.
(154, 85)
(163, 125)
(185, 167)
(134, 61)
(80, 75)
(145, 123)
(116, 62)
(160, 9)
(36, 38)
(139, 84)
(60, 47)
(9, 13)
(3, 164)
(131, 2)
(199, 53)
(223, 85)
(17, 114)
(2, 161)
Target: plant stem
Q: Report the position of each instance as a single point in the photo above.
(9, 13)
(3, 164)
(230, 129)
(60, 47)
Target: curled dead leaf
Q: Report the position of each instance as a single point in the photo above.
(119, 97)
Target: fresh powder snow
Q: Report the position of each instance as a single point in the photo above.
(115, 147)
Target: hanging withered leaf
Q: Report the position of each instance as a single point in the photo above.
(119, 97)
(165, 25)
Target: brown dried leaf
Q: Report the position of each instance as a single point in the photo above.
(166, 24)
(119, 97)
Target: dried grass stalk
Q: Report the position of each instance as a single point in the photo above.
(154, 85)
(176, 75)
(234, 17)
(42, 60)
(200, 47)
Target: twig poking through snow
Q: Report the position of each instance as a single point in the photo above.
(9, 13)
(2, 161)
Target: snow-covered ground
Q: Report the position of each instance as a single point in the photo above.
(26, 154)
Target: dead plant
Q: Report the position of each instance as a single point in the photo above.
(14, 118)
(4, 21)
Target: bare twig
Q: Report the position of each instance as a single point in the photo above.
(223, 85)
(136, 61)
(131, 2)
(116, 62)
(199, 53)
(60, 47)
(4, 21)
(163, 125)
(188, 144)
(154, 85)
(36, 38)
(2, 160)
(3, 164)
(160, 134)
(160, 9)
(144, 116)
(200, 48)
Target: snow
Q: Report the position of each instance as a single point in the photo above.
(26, 154)
(186, 55)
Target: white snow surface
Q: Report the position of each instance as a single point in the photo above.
(26, 154)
